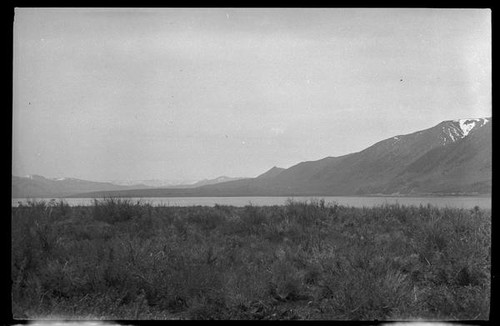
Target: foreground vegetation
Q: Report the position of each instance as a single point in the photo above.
(120, 259)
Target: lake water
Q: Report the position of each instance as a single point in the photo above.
(456, 202)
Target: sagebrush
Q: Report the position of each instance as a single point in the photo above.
(119, 259)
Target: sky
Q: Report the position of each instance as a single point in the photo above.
(188, 94)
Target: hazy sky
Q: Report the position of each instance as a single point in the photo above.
(105, 94)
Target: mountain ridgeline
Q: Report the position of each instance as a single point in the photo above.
(451, 158)
(36, 186)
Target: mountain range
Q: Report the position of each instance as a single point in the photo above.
(453, 157)
(36, 186)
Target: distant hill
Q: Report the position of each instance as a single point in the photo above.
(453, 157)
(153, 183)
(36, 186)
(211, 181)
(273, 172)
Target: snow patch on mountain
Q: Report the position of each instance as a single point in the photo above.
(466, 125)
(452, 132)
(460, 128)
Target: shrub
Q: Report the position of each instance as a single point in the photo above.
(119, 259)
(113, 210)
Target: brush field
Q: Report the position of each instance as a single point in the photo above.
(120, 259)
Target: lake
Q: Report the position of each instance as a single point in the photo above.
(451, 201)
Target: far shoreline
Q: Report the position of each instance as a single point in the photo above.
(441, 195)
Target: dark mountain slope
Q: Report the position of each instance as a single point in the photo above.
(451, 157)
(273, 172)
(370, 170)
(463, 166)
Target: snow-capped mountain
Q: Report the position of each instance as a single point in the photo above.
(457, 129)
(453, 157)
